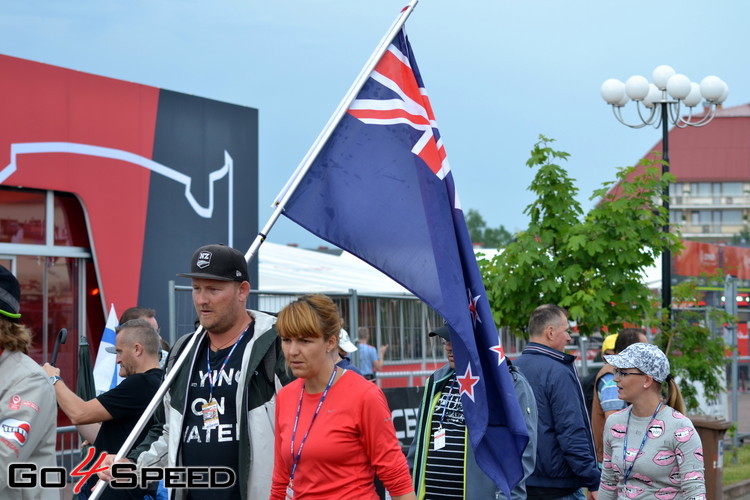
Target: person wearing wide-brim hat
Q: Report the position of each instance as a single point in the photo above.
(28, 410)
(650, 448)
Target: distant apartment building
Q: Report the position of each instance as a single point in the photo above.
(710, 199)
(710, 204)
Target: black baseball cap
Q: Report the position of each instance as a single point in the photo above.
(217, 262)
(443, 331)
(10, 296)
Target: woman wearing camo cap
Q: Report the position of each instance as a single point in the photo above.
(651, 450)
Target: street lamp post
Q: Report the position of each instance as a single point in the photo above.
(659, 104)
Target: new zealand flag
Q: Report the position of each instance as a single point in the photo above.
(381, 188)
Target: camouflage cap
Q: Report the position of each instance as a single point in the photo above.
(646, 357)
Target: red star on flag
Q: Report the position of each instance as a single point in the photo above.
(467, 383)
(473, 308)
(501, 353)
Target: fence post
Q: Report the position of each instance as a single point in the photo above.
(354, 322)
(423, 308)
(583, 348)
(172, 313)
(730, 306)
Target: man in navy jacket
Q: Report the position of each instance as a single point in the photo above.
(566, 461)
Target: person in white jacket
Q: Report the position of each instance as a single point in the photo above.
(219, 409)
(28, 410)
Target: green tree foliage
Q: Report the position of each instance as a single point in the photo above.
(741, 238)
(695, 354)
(487, 236)
(590, 264)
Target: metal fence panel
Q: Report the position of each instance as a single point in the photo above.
(68, 448)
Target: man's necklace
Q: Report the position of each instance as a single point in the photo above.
(234, 338)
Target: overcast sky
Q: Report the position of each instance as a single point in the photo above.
(499, 73)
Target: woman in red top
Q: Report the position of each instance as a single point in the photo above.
(333, 428)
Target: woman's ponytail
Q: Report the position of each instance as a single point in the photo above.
(674, 396)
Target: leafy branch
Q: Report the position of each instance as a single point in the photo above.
(591, 264)
(695, 353)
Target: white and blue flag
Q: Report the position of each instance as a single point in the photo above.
(106, 369)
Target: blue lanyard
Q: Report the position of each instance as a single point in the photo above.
(625, 444)
(296, 421)
(223, 365)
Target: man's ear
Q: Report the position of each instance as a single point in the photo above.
(244, 291)
(138, 348)
(549, 331)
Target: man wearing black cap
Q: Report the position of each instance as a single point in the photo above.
(441, 456)
(220, 408)
(28, 412)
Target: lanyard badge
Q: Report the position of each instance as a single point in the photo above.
(289, 491)
(439, 439)
(210, 413)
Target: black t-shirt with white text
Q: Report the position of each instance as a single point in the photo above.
(126, 403)
(218, 446)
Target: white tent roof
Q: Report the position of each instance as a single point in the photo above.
(292, 269)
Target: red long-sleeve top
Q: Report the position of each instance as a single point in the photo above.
(352, 439)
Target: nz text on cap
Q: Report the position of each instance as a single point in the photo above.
(217, 262)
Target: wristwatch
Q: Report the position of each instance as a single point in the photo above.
(54, 379)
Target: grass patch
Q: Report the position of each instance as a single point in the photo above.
(736, 472)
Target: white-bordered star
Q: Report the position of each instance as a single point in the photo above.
(473, 307)
(501, 353)
(467, 382)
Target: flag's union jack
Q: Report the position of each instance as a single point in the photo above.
(407, 103)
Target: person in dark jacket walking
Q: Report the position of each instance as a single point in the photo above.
(565, 461)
